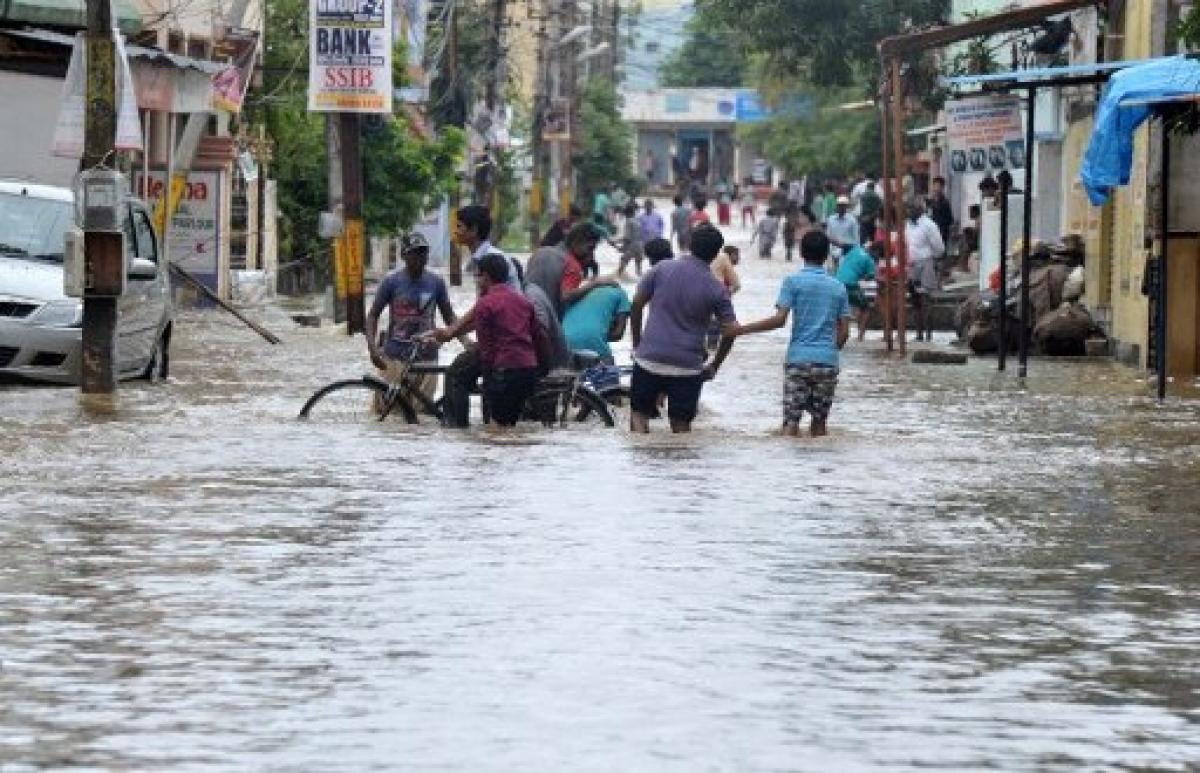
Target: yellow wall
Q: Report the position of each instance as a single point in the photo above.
(1130, 309)
(1080, 217)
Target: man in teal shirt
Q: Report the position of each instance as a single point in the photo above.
(595, 319)
(856, 266)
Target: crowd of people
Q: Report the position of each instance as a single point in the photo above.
(530, 320)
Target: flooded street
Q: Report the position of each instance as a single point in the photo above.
(966, 574)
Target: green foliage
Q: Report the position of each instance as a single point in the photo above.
(832, 141)
(1188, 29)
(827, 42)
(711, 55)
(607, 154)
(404, 175)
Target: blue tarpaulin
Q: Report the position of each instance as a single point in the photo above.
(1109, 156)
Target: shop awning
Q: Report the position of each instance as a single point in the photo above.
(67, 13)
(1039, 74)
(1127, 102)
(1028, 16)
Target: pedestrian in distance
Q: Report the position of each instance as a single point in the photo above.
(698, 214)
(513, 349)
(411, 294)
(788, 227)
(680, 230)
(870, 207)
(669, 353)
(748, 204)
(858, 264)
(650, 221)
(842, 228)
(925, 248)
(820, 329)
(765, 233)
(631, 242)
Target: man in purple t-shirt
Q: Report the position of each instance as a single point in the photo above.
(669, 355)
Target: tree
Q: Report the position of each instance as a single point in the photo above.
(826, 42)
(607, 143)
(826, 140)
(710, 56)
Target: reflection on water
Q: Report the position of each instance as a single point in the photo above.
(966, 574)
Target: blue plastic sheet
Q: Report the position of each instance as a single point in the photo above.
(1109, 156)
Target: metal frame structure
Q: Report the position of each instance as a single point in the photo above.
(892, 51)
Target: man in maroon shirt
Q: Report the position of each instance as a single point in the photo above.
(511, 342)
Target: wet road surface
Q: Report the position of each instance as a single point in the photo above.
(967, 574)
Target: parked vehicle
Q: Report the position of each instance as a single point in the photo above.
(40, 327)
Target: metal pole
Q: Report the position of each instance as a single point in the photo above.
(1163, 262)
(1003, 332)
(1027, 229)
(888, 212)
(456, 272)
(901, 282)
(102, 250)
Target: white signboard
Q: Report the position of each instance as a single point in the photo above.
(350, 56)
(194, 238)
(985, 134)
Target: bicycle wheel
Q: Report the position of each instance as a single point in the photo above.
(358, 400)
(616, 398)
(555, 403)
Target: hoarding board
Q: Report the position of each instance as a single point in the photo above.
(350, 56)
(985, 134)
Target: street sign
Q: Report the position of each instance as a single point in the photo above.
(350, 56)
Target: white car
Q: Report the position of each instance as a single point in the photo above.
(40, 327)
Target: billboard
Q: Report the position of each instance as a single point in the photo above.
(985, 134)
(194, 239)
(350, 56)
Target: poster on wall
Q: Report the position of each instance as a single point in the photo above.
(194, 239)
(350, 56)
(985, 134)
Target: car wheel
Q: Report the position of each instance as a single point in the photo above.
(159, 366)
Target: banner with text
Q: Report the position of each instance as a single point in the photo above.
(194, 241)
(350, 56)
(985, 134)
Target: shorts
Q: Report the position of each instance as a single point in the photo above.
(808, 388)
(682, 392)
(858, 299)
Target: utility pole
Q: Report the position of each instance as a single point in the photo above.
(540, 99)
(104, 258)
(353, 236)
(456, 276)
(333, 156)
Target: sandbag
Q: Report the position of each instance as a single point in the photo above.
(1064, 332)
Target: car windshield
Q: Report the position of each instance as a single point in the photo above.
(32, 227)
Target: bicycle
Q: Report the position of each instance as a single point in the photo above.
(372, 397)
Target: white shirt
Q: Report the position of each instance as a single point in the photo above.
(486, 248)
(923, 240)
(856, 194)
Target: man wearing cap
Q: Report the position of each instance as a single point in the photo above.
(842, 227)
(410, 295)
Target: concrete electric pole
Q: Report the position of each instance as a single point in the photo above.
(104, 253)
